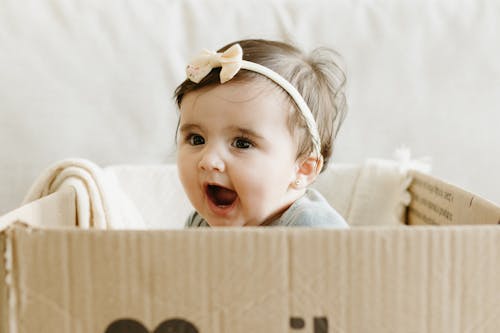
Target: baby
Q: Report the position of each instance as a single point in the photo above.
(257, 124)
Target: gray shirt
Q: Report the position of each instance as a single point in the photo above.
(310, 210)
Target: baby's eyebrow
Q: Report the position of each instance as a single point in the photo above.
(189, 128)
(247, 132)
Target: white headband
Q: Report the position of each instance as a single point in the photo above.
(231, 61)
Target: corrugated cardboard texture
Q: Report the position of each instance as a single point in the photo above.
(401, 279)
(398, 280)
(81, 281)
(435, 202)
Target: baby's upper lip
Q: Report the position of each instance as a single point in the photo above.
(210, 183)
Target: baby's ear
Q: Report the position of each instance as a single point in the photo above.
(307, 170)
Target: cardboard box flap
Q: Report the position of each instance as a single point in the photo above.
(422, 279)
(436, 202)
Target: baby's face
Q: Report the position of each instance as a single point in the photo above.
(236, 155)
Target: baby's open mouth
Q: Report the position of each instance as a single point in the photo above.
(221, 196)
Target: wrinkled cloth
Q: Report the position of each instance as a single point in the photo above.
(100, 202)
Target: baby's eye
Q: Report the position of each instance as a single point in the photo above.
(242, 143)
(196, 140)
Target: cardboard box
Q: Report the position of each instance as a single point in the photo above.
(367, 279)
(436, 202)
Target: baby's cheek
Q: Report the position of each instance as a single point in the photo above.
(258, 195)
(187, 177)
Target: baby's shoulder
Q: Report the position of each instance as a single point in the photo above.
(195, 220)
(312, 210)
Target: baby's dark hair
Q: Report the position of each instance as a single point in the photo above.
(317, 76)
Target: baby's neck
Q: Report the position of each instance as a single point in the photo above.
(294, 195)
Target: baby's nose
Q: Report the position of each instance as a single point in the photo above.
(212, 161)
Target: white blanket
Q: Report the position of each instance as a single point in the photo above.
(373, 193)
(100, 202)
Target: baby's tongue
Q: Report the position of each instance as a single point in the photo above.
(221, 196)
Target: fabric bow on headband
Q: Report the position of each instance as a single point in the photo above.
(229, 61)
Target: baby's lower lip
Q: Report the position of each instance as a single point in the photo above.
(221, 210)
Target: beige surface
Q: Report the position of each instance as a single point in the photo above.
(94, 79)
(398, 279)
(4, 320)
(436, 202)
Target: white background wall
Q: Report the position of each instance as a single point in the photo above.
(94, 79)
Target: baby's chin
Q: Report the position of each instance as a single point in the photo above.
(238, 223)
(224, 223)
(234, 221)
